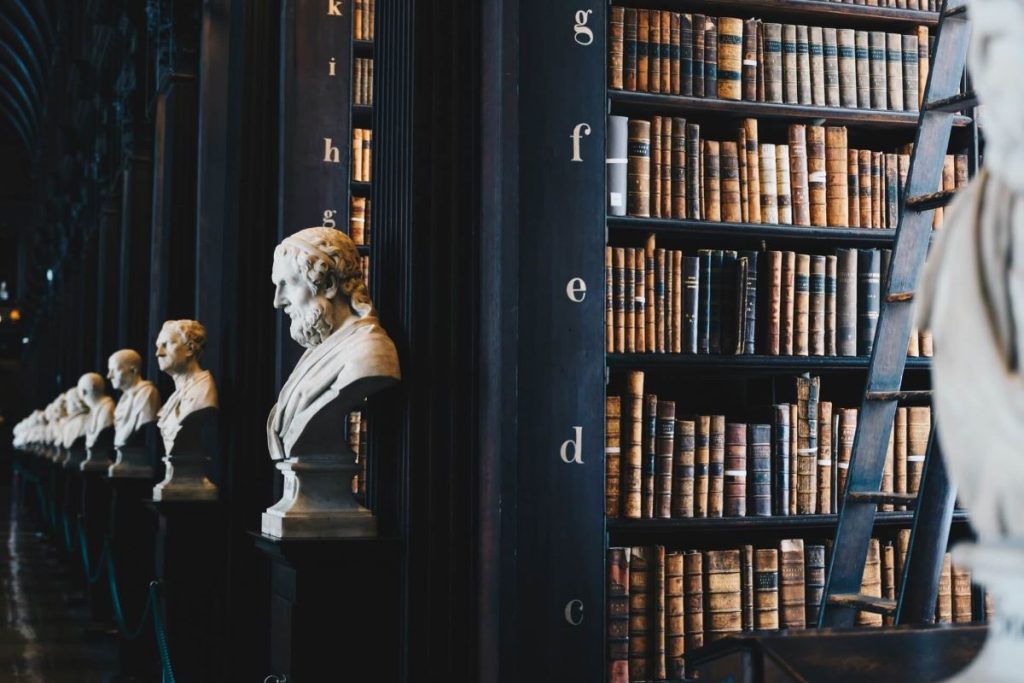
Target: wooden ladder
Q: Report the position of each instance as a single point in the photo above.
(933, 504)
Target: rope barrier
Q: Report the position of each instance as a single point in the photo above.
(161, 632)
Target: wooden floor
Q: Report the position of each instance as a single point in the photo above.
(45, 632)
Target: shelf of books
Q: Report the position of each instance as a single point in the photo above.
(756, 155)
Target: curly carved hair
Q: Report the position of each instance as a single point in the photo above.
(328, 258)
(192, 333)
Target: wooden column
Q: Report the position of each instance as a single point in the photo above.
(134, 264)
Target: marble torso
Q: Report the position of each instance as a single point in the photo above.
(197, 392)
(137, 407)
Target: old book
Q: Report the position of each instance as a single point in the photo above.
(722, 594)
(730, 182)
(638, 199)
(616, 30)
(618, 615)
(715, 285)
(640, 308)
(944, 600)
(771, 316)
(618, 159)
(919, 424)
(753, 171)
(639, 609)
(803, 65)
(675, 617)
(868, 298)
(759, 474)
(748, 301)
(357, 216)
(816, 306)
(659, 296)
(794, 449)
(686, 54)
(712, 187)
(847, 66)
(894, 70)
(612, 454)
(656, 166)
(747, 586)
(650, 457)
(683, 469)
(693, 171)
(824, 480)
(711, 57)
(678, 171)
(760, 61)
(732, 279)
(837, 183)
(629, 63)
(699, 26)
(923, 62)
(814, 579)
(877, 189)
(619, 292)
(787, 309)
(866, 199)
(798, 174)
(789, 65)
(961, 598)
(769, 185)
(780, 458)
(701, 462)
(654, 52)
(629, 285)
(911, 97)
(632, 436)
(817, 175)
(704, 302)
(691, 283)
(766, 589)
(846, 302)
(792, 598)
(735, 470)
(656, 593)
(902, 547)
(847, 432)
(677, 301)
(643, 32)
(664, 449)
(830, 51)
(892, 196)
(784, 199)
(730, 58)
(666, 52)
(693, 584)
(801, 308)
(853, 186)
(863, 69)
(888, 578)
(666, 166)
(871, 583)
(830, 305)
(807, 393)
(877, 66)
(750, 63)
(815, 44)
(741, 144)
(899, 462)
(610, 281)
(675, 47)
(716, 466)
(773, 80)
(357, 154)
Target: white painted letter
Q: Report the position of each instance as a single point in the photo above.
(577, 132)
(584, 36)
(577, 448)
(576, 290)
(332, 154)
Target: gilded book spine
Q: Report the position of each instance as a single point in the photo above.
(678, 171)
(750, 64)
(759, 459)
(656, 593)
(618, 615)
(711, 57)
(643, 30)
(798, 174)
(766, 589)
(731, 209)
(612, 454)
(666, 52)
(633, 426)
(619, 287)
(659, 297)
(961, 595)
(701, 458)
(807, 390)
(781, 457)
(683, 470)
(699, 24)
(716, 476)
(629, 49)
(773, 277)
(735, 470)
(693, 580)
(691, 285)
(792, 599)
(753, 171)
(803, 65)
(712, 188)
(639, 609)
(675, 617)
(722, 594)
(675, 53)
(787, 312)
(730, 58)
(824, 458)
(816, 317)
(650, 457)
(654, 52)
(816, 175)
(837, 181)
(830, 49)
(789, 65)
(847, 61)
(638, 199)
(815, 582)
(629, 284)
(667, 135)
(741, 144)
(782, 184)
(686, 54)
(747, 586)
(609, 299)
(664, 448)
(640, 308)
(919, 425)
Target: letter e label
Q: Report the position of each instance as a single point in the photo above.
(576, 290)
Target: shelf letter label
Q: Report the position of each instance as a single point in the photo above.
(576, 290)
(332, 154)
(574, 612)
(334, 8)
(331, 67)
(579, 131)
(577, 448)
(328, 221)
(584, 36)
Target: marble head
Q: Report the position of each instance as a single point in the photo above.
(123, 368)
(91, 388)
(318, 282)
(179, 346)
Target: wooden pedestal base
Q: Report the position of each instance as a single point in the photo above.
(335, 609)
(95, 512)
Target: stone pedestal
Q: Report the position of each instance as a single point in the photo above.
(132, 462)
(317, 500)
(354, 585)
(74, 456)
(185, 476)
(99, 454)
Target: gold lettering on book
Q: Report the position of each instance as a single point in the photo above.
(583, 36)
(334, 8)
(332, 154)
(576, 290)
(574, 612)
(580, 130)
(576, 444)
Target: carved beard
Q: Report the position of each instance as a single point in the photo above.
(311, 325)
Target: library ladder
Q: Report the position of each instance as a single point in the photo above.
(933, 504)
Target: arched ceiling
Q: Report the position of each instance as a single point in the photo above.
(26, 48)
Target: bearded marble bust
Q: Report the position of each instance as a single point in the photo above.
(319, 284)
(92, 391)
(140, 399)
(179, 347)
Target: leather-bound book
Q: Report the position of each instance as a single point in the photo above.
(944, 600)
(817, 175)
(712, 187)
(686, 54)
(735, 469)
(643, 31)
(911, 96)
(715, 329)
(650, 461)
(747, 586)
(730, 178)
(741, 144)
(722, 594)
(704, 302)
(737, 343)
(610, 280)
(750, 63)
(699, 25)
(654, 52)
(892, 191)
(691, 293)
(773, 62)
(919, 424)
(749, 301)
(656, 166)
(830, 50)
(798, 174)
(787, 313)
(759, 470)
(853, 186)
(660, 288)
(847, 432)
(770, 329)
(753, 171)
(664, 452)
(816, 306)
(803, 65)
(766, 589)
(868, 298)
(847, 66)
(612, 454)
(632, 434)
(693, 171)
(640, 309)
(730, 289)
(618, 615)
(675, 22)
(902, 546)
(861, 57)
(899, 460)
(831, 264)
(711, 57)
(677, 301)
(730, 58)
(638, 199)
(357, 218)
(701, 457)
(693, 583)
(794, 450)
(760, 61)
(866, 198)
(675, 617)
(616, 30)
(666, 166)
(666, 53)
(923, 62)
(629, 285)
(618, 160)
(871, 583)
(894, 70)
(801, 322)
(888, 578)
(837, 184)
(962, 613)
(629, 65)
(678, 172)
(792, 599)
(782, 184)
(789, 65)
(780, 458)
(824, 480)
(926, 343)
(640, 559)
(716, 466)
(877, 66)
(619, 287)
(807, 392)
(769, 185)
(683, 469)
(658, 669)
(816, 48)
(877, 189)
(814, 580)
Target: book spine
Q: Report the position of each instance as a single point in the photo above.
(847, 65)
(824, 502)
(794, 449)
(678, 171)
(632, 423)
(782, 184)
(773, 85)
(899, 460)
(640, 308)
(691, 293)
(609, 299)
(730, 179)
(650, 456)
(853, 186)
(787, 312)
(701, 462)
(962, 613)
(639, 621)
(643, 31)
(919, 426)
(655, 166)
(741, 145)
(759, 459)
(816, 299)
(722, 594)
(830, 50)
(801, 307)
(888, 578)
(629, 284)
(923, 62)
(656, 584)
(866, 198)
(792, 598)
(871, 583)
(750, 303)
(675, 53)
(877, 189)
(619, 286)
(629, 61)
(817, 175)
(910, 94)
(750, 65)
(693, 171)
(654, 52)
(814, 573)
(773, 283)
(789, 65)
(798, 174)
(892, 196)
(817, 52)
(894, 70)
(803, 65)
(944, 599)
(616, 31)
(711, 57)
(677, 302)
(693, 582)
(666, 52)
(847, 432)
(766, 589)
(735, 470)
(769, 185)
(837, 177)
(862, 57)
(877, 65)
(716, 466)
(712, 187)
(675, 617)
(868, 289)
(683, 470)
(730, 58)
(618, 615)
(753, 171)
(830, 305)
(704, 302)
(699, 25)
(659, 300)
(685, 54)
(728, 290)
(781, 457)
(667, 135)
(715, 285)
(638, 199)
(612, 454)
(807, 444)
(664, 450)
(747, 586)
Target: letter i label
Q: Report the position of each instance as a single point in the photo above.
(332, 67)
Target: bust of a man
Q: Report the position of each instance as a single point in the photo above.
(140, 399)
(92, 391)
(319, 284)
(56, 413)
(77, 419)
(179, 347)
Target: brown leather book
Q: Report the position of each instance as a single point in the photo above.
(772, 62)
(683, 469)
(853, 187)
(675, 52)
(650, 315)
(894, 70)
(730, 58)
(789, 64)
(678, 171)
(815, 42)
(693, 171)
(716, 466)
(667, 135)
(711, 57)
(654, 52)
(741, 145)
(847, 431)
(640, 310)
(632, 428)
(944, 600)
(702, 457)
(871, 583)
(618, 615)
(962, 613)
(658, 668)
(660, 286)
(899, 460)
(616, 30)
(629, 300)
(609, 300)
(722, 594)
(712, 187)
(612, 454)
(638, 198)
(666, 52)
(357, 220)
(766, 589)
(629, 65)
(787, 312)
(753, 171)
(677, 301)
(643, 31)
(807, 391)
(824, 503)
(656, 166)
(735, 470)
(863, 69)
(664, 449)
(357, 154)
(814, 581)
(803, 65)
(801, 307)
(837, 181)
(675, 617)
(782, 184)
(732, 211)
(830, 50)
(877, 67)
(747, 587)
(923, 62)
(670, 290)
(877, 189)
(792, 598)
(866, 199)
(640, 627)
(817, 175)
(650, 458)
(769, 185)
(693, 582)
(816, 306)
(358, 10)
(759, 470)
(888, 578)
(919, 424)
(902, 546)
(773, 304)
(794, 448)
(699, 28)
(750, 63)
(619, 291)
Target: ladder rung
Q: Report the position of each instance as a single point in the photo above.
(953, 11)
(881, 498)
(954, 103)
(895, 297)
(932, 200)
(868, 603)
(920, 395)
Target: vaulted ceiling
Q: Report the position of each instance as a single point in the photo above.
(26, 48)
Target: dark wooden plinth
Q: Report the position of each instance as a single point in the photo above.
(191, 559)
(95, 512)
(335, 609)
(890, 655)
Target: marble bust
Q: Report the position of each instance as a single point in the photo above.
(140, 399)
(318, 283)
(74, 428)
(55, 426)
(99, 430)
